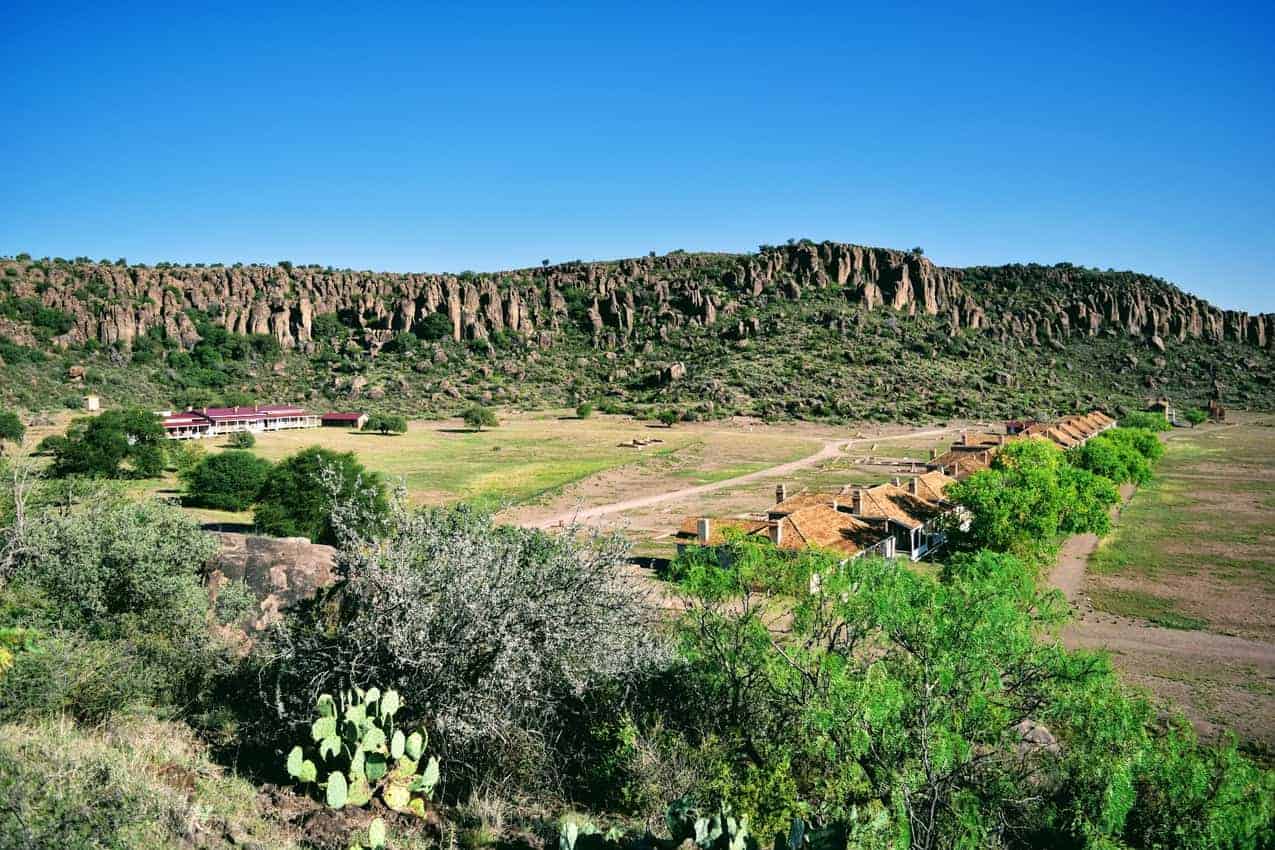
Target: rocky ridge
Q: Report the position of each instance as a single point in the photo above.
(623, 304)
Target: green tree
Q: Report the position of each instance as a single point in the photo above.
(668, 417)
(584, 410)
(302, 491)
(229, 481)
(386, 423)
(478, 417)
(434, 327)
(1146, 420)
(1026, 499)
(11, 429)
(402, 343)
(242, 439)
(1196, 416)
(327, 327)
(907, 710)
(114, 444)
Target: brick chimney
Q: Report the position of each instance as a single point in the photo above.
(704, 530)
(781, 493)
(965, 437)
(856, 503)
(912, 487)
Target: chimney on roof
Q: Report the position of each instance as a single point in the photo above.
(912, 488)
(781, 493)
(703, 530)
(777, 531)
(965, 437)
(897, 481)
(856, 501)
(934, 453)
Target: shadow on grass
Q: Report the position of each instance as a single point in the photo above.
(233, 527)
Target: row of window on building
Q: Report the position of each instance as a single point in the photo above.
(195, 424)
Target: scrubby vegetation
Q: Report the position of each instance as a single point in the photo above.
(465, 682)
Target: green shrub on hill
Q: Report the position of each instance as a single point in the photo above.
(496, 637)
(114, 588)
(11, 429)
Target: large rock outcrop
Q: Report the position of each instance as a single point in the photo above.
(279, 571)
(619, 303)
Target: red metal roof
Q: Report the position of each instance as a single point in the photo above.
(184, 420)
(263, 411)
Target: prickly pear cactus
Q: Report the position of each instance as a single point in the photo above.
(718, 830)
(360, 754)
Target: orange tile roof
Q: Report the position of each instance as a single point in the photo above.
(933, 485)
(826, 528)
(889, 502)
(805, 499)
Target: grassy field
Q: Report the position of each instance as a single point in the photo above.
(529, 459)
(1203, 526)
(526, 457)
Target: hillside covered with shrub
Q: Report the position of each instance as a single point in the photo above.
(805, 330)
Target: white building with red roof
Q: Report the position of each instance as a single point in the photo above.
(215, 421)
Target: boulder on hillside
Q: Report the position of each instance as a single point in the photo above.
(280, 572)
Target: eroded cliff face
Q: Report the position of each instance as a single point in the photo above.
(625, 302)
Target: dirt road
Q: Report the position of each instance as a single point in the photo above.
(1068, 574)
(830, 450)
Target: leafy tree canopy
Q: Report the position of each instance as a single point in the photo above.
(479, 417)
(300, 493)
(11, 428)
(229, 481)
(386, 423)
(114, 444)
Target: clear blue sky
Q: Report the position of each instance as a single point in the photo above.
(442, 138)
